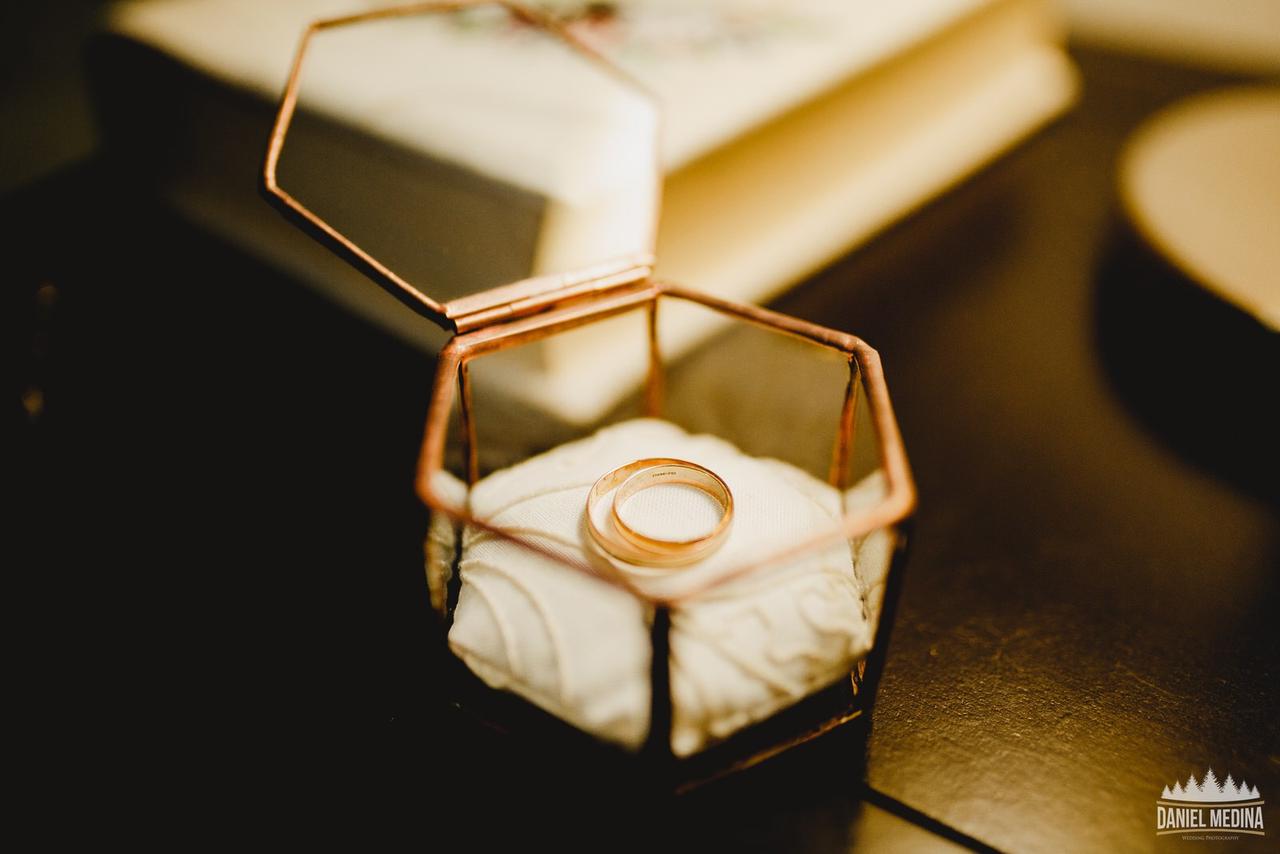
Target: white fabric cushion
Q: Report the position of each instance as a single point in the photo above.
(580, 649)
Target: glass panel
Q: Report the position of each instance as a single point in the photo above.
(761, 408)
(769, 394)
(466, 150)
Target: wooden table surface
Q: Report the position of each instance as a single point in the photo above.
(227, 586)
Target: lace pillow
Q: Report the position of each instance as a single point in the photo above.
(580, 649)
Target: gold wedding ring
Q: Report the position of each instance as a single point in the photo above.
(634, 547)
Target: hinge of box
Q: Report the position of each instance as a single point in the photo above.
(531, 296)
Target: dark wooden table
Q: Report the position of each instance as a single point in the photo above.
(226, 594)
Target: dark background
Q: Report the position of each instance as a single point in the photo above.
(221, 626)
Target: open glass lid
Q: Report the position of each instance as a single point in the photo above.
(487, 163)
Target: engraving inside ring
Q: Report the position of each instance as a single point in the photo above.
(671, 481)
(672, 511)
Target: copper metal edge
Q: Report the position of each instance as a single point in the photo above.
(897, 504)
(538, 293)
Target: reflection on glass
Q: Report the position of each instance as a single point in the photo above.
(473, 150)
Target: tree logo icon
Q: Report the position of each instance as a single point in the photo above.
(1210, 809)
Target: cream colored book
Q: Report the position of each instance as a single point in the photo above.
(790, 133)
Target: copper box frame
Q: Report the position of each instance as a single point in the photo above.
(523, 312)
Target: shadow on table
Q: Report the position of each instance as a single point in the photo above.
(1196, 371)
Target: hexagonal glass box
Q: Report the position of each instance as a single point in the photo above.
(484, 164)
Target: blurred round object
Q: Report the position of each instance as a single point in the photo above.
(1200, 182)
